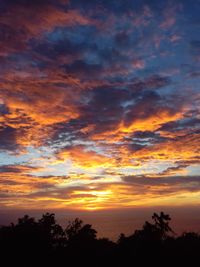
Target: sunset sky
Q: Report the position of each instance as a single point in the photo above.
(99, 104)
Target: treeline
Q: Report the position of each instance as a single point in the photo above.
(44, 242)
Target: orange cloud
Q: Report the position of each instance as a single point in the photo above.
(152, 122)
(85, 159)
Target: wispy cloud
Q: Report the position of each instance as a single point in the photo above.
(99, 103)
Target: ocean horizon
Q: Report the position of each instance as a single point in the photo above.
(111, 224)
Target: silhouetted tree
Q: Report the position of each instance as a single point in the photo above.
(31, 243)
(76, 230)
(52, 231)
(161, 223)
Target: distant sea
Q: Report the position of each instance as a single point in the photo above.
(110, 223)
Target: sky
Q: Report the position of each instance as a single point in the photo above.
(99, 104)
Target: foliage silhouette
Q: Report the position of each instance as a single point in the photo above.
(43, 242)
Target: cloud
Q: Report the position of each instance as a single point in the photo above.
(8, 138)
(156, 181)
(91, 92)
(45, 16)
(84, 158)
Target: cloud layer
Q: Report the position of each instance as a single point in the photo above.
(99, 103)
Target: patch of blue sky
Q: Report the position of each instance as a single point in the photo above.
(193, 170)
(12, 159)
(31, 157)
(57, 169)
(7, 158)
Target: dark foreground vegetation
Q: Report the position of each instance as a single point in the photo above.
(46, 243)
